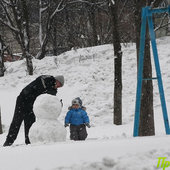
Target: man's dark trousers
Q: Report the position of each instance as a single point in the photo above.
(22, 112)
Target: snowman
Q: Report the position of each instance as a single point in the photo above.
(47, 127)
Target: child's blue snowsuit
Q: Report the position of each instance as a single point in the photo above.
(77, 118)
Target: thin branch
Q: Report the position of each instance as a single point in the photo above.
(122, 9)
(87, 2)
(152, 4)
(58, 9)
(9, 26)
(6, 2)
(113, 2)
(161, 23)
(44, 9)
(162, 26)
(155, 3)
(7, 14)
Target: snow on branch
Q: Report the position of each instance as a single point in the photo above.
(152, 4)
(112, 1)
(43, 9)
(87, 2)
(155, 3)
(162, 26)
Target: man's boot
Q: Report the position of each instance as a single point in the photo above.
(8, 142)
(27, 140)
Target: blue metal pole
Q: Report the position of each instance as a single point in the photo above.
(160, 10)
(158, 72)
(140, 74)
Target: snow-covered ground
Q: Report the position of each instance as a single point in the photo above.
(89, 74)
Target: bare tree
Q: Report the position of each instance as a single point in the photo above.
(117, 65)
(162, 21)
(97, 11)
(146, 126)
(51, 12)
(78, 26)
(71, 16)
(2, 48)
(0, 123)
(16, 18)
(92, 19)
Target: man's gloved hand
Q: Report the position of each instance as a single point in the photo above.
(61, 101)
(66, 125)
(88, 125)
(52, 91)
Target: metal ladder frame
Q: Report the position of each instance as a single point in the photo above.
(147, 17)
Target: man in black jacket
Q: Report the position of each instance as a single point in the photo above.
(24, 104)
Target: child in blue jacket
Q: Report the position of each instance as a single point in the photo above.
(78, 119)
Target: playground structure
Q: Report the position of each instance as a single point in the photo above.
(147, 13)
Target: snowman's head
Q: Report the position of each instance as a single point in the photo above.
(47, 107)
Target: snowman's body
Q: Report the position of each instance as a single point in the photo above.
(47, 127)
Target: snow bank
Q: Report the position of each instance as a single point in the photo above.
(89, 74)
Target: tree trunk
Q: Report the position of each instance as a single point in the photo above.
(0, 123)
(50, 18)
(70, 31)
(40, 22)
(118, 67)
(146, 125)
(54, 40)
(26, 38)
(42, 52)
(1, 58)
(29, 63)
(137, 18)
(1, 66)
(93, 23)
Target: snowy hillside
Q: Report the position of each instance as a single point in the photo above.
(88, 74)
